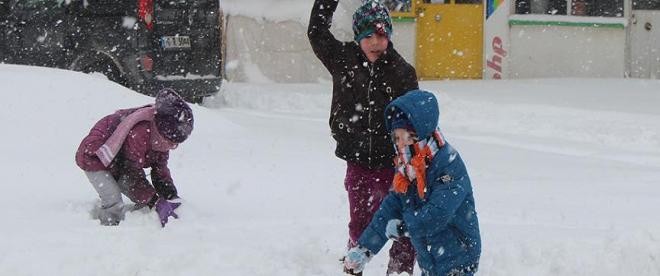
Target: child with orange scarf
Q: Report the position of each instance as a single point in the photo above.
(432, 201)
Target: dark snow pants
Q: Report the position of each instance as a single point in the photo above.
(366, 190)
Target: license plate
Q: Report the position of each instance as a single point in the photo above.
(175, 42)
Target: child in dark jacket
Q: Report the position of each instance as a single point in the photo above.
(120, 145)
(431, 201)
(367, 74)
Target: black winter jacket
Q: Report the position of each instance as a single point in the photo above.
(361, 91)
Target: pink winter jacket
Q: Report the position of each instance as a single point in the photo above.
(136, 154)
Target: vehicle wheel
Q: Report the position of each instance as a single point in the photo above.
(197, 100)
(104, 67)
(109, 70)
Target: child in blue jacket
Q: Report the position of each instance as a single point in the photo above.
(432, 200)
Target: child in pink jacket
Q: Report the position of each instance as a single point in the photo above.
(121, 145)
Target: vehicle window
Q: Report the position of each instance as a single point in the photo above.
(174, 3)
(4, 7)
(609, 8)
(31, 4)
(551, 7)
(646, 4)
(4, 11)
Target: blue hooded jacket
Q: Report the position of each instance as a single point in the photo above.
(443, 226)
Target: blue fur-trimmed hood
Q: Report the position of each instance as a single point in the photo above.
(421, 109)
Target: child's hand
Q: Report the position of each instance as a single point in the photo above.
(165, 209)
(394, 229)
(356, 259)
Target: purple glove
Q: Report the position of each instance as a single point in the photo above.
(165, 209)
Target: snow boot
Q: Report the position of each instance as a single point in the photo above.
(111, 216)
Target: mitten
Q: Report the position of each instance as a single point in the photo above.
(394, 229)
(356, 258)
(165, 209)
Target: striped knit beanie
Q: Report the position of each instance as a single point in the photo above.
(371, 17)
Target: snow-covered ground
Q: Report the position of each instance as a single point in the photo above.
(566, 175)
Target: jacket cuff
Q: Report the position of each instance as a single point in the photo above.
(372, 241)
(152, 202)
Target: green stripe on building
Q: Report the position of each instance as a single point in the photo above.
(513, 22)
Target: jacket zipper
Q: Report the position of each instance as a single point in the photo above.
(369, 129)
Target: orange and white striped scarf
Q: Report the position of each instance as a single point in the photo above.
(411, 163)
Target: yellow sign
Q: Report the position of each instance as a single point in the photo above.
(449, 39)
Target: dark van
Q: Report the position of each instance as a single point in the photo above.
(4, 13)
(142, 44)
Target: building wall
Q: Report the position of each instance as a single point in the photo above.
(556, 51)
(262, 50)
(404, 41)
(645, 44)
(560, 46)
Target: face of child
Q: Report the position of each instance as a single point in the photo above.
(374, 45)
(164, 145)
(403, 137)
(160, 143)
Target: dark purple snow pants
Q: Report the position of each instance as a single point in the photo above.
(366, 189)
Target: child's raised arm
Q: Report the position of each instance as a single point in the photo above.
(324, 44)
